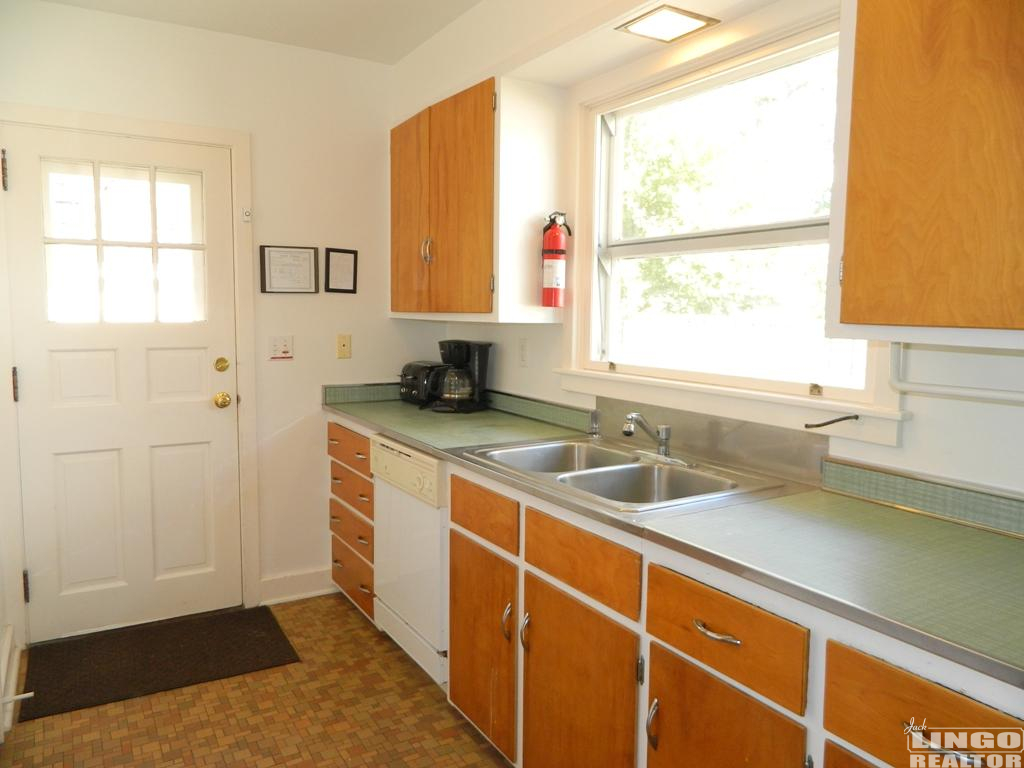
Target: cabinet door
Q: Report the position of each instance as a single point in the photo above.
(481, 646)
(580, 688)
(934, 233)
(700, 719)
(462, 200)
(410, 281)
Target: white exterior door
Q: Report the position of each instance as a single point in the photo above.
(121, 272)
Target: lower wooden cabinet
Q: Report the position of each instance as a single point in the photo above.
(695, 718)
(483, 603)
(580, 686)
(837, 757)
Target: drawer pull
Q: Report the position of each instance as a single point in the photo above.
(522, 632)
(364, 588)
(363, 540)
(652, 737)
(335, 519)
(715, 635)
(364, 497)
(335, 481)
(360, 456)
(331, 441)
(506, 630)
(962, 758)
(337, 564)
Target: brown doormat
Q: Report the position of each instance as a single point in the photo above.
(89, 670)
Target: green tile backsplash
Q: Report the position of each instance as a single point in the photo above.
(991, 510)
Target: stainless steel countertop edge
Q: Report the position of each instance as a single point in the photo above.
(948, 650)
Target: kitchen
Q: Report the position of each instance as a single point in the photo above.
(319, 177)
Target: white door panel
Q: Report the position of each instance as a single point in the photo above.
(121, 267)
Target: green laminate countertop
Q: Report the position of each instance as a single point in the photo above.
(941, 582)
(445, 431)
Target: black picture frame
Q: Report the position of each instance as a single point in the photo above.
(341, 271)
(275, 277)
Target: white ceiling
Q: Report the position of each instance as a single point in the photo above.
(378, 30)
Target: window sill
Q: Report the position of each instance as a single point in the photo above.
(877, 424)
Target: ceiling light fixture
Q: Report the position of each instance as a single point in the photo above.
(667, 24)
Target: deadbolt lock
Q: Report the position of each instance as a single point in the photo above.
(222, 399)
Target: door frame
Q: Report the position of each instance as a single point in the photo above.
(12, 539)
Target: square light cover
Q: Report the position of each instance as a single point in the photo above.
(667, 24)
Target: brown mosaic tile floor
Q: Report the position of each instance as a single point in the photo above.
(354, 700)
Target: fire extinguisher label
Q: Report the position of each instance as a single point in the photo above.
(554, 273)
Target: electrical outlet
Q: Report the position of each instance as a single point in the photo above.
(344, 346)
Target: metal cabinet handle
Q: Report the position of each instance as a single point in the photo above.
(360, 456)
(715, 635)
(337, 564)
(364, 588)
(335, 519)
(429, 256)
(506, 630)
(336, 480)
(363, 540)
(423, 253)
(363, 497)
(962, 758)
(522, 632)
(331, 441)
(652, 737)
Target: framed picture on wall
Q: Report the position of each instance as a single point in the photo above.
(340, 270)
(288, 269)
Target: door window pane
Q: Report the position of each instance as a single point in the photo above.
(181, 276)
(69, 202)
(756, 313)
(179, 207)
(128, 295)
(754, 152)
(73, 284)
(125, 204)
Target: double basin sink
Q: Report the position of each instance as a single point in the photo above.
(630, 482)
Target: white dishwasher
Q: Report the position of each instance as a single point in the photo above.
(410, 529)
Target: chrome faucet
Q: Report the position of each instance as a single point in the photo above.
(660, 435)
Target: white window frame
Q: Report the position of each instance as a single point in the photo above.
(780, 403)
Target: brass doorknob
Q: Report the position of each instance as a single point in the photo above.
(222, 399)
(221, 364)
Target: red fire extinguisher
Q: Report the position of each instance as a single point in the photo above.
(555, 238)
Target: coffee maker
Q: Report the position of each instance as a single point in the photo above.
(463, 386)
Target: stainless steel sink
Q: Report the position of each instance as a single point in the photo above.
(557, 457)
(651, 485)
(613, 479)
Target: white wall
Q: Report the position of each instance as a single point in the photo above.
(319, 143)
(963, 441)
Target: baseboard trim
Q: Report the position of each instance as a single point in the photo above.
(296, 586)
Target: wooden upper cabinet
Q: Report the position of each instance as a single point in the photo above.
(935, 197)
(442, 205)
(410, 278)
(461, 250)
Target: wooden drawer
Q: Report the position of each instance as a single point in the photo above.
(349, 448)
(486, 513)
(837, 757)
(770, 657)
(606, 571)
(867, 701)
(353, 574)
(352, 488)
(352, 529)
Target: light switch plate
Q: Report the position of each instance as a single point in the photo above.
(344, 346)
(282, 348)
